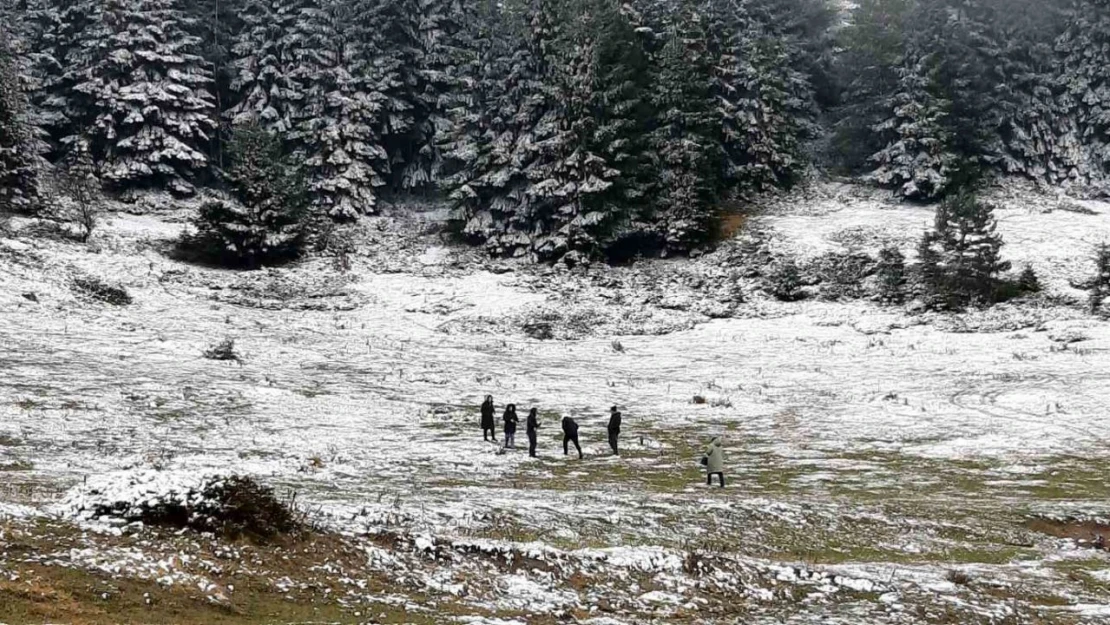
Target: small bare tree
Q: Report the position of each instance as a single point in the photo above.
(81, 183)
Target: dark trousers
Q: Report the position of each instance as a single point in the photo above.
(488, 434)
(566, 445)
(709, 479)
(613, 441)
(532, 445)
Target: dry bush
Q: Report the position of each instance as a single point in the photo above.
(100, 290)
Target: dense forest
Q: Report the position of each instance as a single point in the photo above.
(604, 128)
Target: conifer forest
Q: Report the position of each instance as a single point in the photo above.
(604, 128)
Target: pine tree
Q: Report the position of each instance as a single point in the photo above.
(961, 258)
(490, 191)
(1028, 282)
(1099, 285)
(917, 160)
(440, 33)
(19, 165)
(684, 143)
(1085, 47)
(338, 125)
(891, 274)
(264, 57)
(1040, 138)
(872, 47)
(154, 114)
(266, 223)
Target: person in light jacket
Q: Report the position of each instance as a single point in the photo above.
(488, 433)
(510, 420)
(714, 461)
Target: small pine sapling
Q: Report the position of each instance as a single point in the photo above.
(1028, 282)
(891, 275)
(1099, 285)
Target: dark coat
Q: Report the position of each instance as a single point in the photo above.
(615, 423)
(570, 427)
(532, 424)
(510, 420)
(487, 415)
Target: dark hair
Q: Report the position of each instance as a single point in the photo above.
(534, 410)
(613, 409)
(489, 398)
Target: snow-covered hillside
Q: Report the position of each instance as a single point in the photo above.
(869, 450)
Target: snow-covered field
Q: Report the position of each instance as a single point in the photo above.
(869, 452)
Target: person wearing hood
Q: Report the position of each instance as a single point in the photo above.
(510, 420)
(488, 432)
(570, 435)
(614, 429)
(714, 462)
(530, 427)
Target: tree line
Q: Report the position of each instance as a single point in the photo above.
(605, 128)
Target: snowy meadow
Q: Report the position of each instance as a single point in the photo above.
(884, 464)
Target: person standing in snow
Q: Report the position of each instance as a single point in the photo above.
(614, 429)
(510, 420)
(488, 432)
(714, 461)
(570, 435)
(530, 427)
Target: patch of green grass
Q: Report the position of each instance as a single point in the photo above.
(18, 465)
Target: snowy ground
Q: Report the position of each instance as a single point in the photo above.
(870, 452)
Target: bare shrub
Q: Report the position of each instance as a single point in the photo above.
(224, 350)
(101, 291)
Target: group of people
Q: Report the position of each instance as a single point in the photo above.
(712, 459)
(532, 424)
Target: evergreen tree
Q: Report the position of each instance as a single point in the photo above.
(761, 120)
(441, 79)
(266, 223)
(917, 159)
(872, 47)
(1099, 285)
(1085, 47)
(961, 258)
(337, 127)
(1039, 137)
(891, 274)
(154, 114)
(684, 144)
(19, 165)
(263, 59)
(1028, 282)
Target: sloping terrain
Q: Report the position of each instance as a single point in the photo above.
(883, 465)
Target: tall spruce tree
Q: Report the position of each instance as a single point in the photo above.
(149, 91)
(264, 57)
(337, 125)
(19, 164)
(1085, 48)
(685, 144)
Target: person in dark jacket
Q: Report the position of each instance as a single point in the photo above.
(488, 432)
(530, 426)
(510, 420)
(570, 435)
(614, 429)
